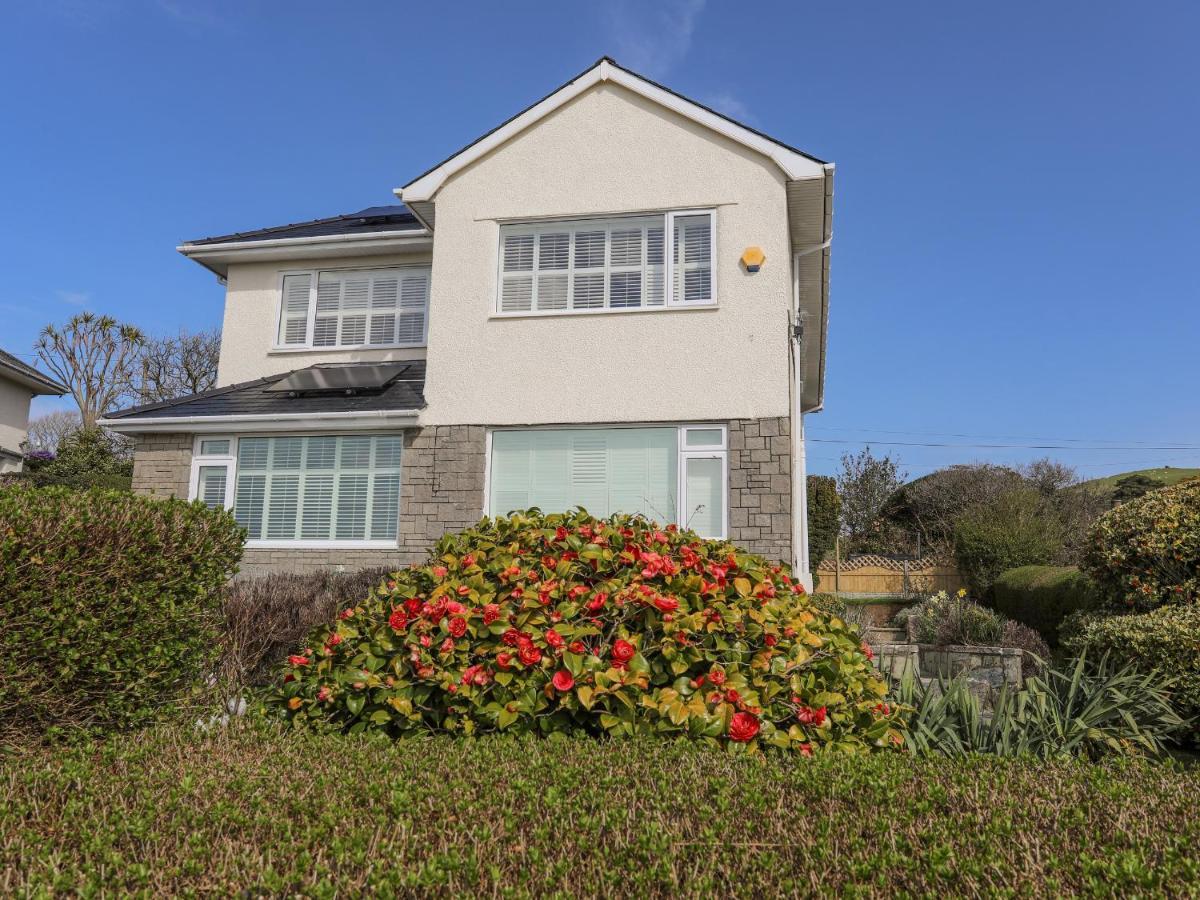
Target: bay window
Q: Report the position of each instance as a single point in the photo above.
(668, 474)
(593, 265)
(311, 490)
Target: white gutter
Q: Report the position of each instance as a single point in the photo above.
(801, 565)
(348, 421)
(251, 244)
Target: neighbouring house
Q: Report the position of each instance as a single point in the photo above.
(19, 384)
(616, 299)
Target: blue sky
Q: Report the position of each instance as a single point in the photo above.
(1016, 219)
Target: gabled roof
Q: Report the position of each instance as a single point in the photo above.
(254, 404)
(15, 370)
(795, 164)
(372, 220)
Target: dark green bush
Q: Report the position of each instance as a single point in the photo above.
(1165, 641)
(824, 513)
(91, 458)
(110, 604)
(247, 814)
(1042, 596)
(1146, 553)
(1015, 529)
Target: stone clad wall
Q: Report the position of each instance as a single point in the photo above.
(442, 489)
(760, 486)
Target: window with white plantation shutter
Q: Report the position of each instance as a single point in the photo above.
(668, 474)
(355, 308)
(606, 264)
(317, 489)
(293, 318)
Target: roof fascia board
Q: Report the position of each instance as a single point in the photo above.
(794, 165)
(39, 385)
(350, 421)
(407, 236)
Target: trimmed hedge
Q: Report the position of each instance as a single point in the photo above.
(254, 813)
(1146, 553)
(1042, 596)
(563, 623)
(1166, 640)
(110, 604)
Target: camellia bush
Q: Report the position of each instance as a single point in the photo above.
(1146, 553)
(552, 624)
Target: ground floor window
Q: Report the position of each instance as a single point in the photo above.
(669, 474)
(297, 490)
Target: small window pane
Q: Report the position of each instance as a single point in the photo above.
(693, 258)
(211, 489)
(703, 437)
(293, 318)
(705, 509)
(214, 448)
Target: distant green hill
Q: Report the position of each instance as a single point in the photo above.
(1167, 475)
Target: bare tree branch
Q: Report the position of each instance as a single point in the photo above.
(171, 367)
(46, 432)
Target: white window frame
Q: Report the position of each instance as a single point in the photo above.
(314, 282)
(229, 461)
(607, 222)
(707, 451)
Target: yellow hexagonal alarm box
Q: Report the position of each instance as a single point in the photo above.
(753, 258)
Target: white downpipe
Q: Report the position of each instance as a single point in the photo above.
(800, 563)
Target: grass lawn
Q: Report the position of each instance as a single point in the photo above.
(1167, 476)
(256, 812)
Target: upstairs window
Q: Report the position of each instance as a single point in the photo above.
(592, 265)
(354, 308)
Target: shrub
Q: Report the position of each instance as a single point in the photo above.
(1042, 596)
(1083, 711)
(563, 623)
(89, 458)
(110, 605)
(266, 618)
(1146, 553)
(1165, 640)
(1013, 530)
(247, 812)
(948, 621)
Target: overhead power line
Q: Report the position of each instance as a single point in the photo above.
(1126, 448)
(998, 437)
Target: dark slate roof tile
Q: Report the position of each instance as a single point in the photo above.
(366, 221)
(250, 398)
(8, 361)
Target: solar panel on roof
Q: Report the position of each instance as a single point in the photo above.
(321, 379)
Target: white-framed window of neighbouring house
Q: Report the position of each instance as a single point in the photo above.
(670, 474)
(297, 491)
(616, 264)
(353, 308)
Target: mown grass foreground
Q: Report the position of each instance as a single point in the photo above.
(257, 812)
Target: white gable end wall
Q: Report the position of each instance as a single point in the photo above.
(610, 151)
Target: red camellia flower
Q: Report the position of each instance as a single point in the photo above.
(512, 637)
(454, 608)
(468, 561)
(563, 681)
(324, 693)
(504, 660)
(622, 651)
(770, 640)
(577, 647)
(806, 749)
(666, 604)
(413, 606)
(717, 677)
(868, 651)
(334, 640)
(530, 655)
(491, 613)
(458, 626)
(560, 533)
(346, 614)
(597, 602)
(554, 639)
(463, 590)
(440, 572)
(298, 660)
(809, 716)
(397, 620)
(447, 645)
(732, 696)
(743, 727)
